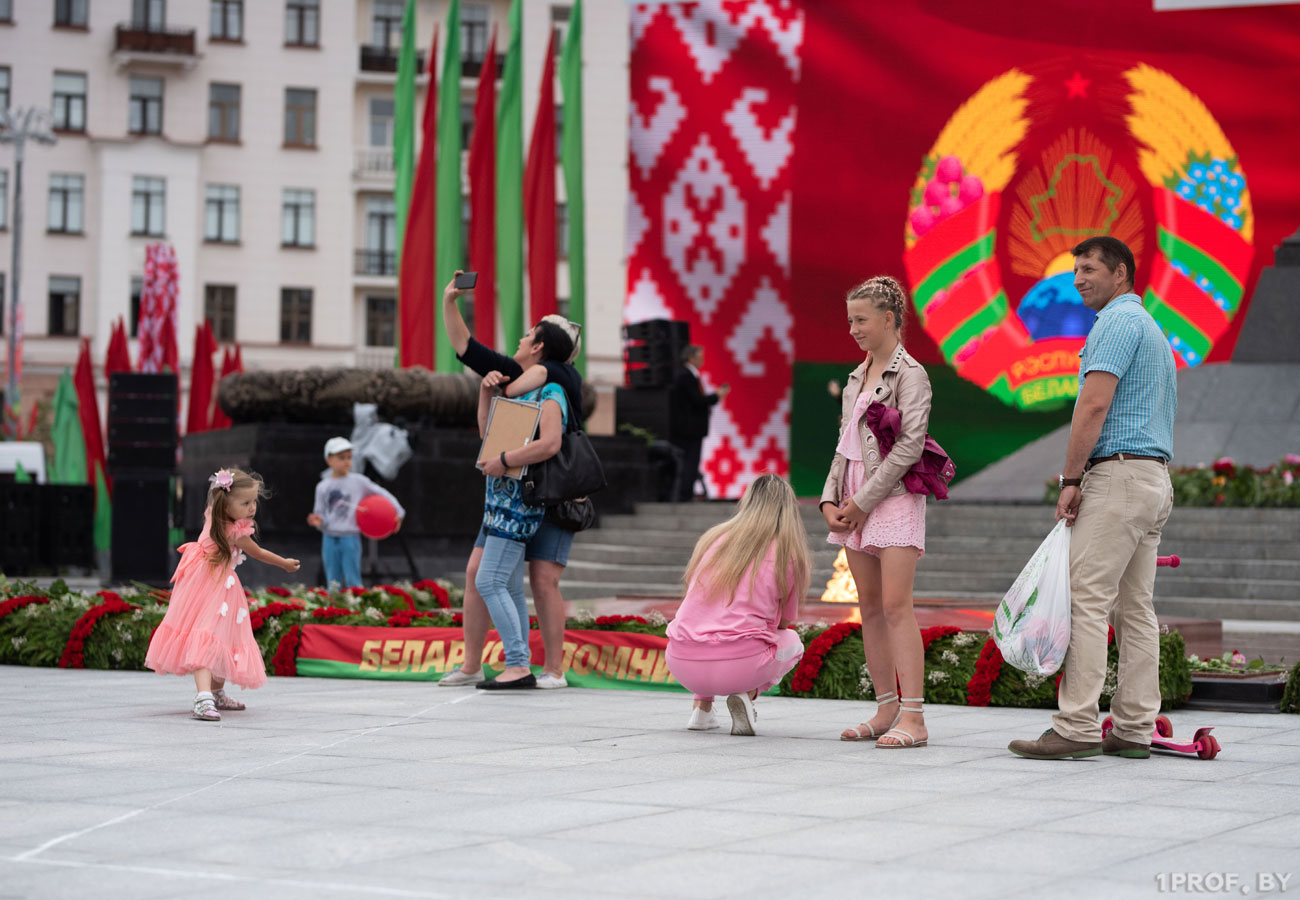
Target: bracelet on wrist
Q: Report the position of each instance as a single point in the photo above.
(503, 460)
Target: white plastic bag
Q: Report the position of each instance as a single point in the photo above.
(1032, 623)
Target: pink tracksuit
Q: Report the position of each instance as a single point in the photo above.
(719, 648)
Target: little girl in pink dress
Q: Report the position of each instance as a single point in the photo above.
(206, 631)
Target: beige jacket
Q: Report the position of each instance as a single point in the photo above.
(904, 386)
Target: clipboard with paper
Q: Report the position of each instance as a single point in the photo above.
(511, 424)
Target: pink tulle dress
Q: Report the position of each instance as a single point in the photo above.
(206, 626)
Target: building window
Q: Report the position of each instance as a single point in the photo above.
(381, 121)
(6, 15)
(559, 133)
(298, 218)
(474, 21)
(227, 21)
(4, 201)
(560, 16)
(67, 204)
(302, 23)
(380, 255)
(70, 13)
(466, 125)
(295, 315)
(223, 112)
(386, 23)
(2, 302)
(146, 105)
(381, 321)
(221, 214)
(219, 309)
(65, 306)
(299, 117)
(69, 101)
(137, 289)
(149, 15)
(465, 213)
(562, 230)
(4, 88)
(148, 200)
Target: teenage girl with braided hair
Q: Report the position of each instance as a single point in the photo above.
(206, 632)
(880, 525)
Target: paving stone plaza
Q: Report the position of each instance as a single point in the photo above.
(330, 788)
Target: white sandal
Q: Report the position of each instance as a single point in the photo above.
(904, 740)
(226, 702)
(205, 708)
(855, 734)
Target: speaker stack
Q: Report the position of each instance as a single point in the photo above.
(652, 351)
(142, 441)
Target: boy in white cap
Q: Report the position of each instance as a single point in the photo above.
(335, 514)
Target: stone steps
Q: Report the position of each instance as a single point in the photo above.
(1237, 563)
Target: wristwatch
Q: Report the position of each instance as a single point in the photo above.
(1068, 482)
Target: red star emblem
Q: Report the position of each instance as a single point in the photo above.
(1077, 86)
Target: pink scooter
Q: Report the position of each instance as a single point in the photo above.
(1204, 745)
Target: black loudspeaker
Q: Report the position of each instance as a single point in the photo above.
(652, 350)
(649, 409)
(142, 519)
(20, 550)
(68, 525)
(142, 425)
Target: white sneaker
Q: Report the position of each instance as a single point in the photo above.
(702, 720)
(548, 682)
(458, 677)
(742, 714)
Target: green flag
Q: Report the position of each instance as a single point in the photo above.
(69, 443)
(510, 187)
(404, 140)
(449, 256)
(21, 475)
(571, 159)
(103, 511)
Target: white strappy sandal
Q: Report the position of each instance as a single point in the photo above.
(904, 740)
(855, 734)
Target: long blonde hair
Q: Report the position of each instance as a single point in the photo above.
(768, 514)
(218, 497)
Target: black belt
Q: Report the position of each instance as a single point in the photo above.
(1123, 456)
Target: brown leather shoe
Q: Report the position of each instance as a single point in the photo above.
(1051, 745)
(1117, 746)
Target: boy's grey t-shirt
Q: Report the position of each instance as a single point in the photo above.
(337, 499)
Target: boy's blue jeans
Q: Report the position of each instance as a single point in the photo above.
(342, 559)
(500, 582)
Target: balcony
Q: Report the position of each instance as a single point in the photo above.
(470, 67)
(373, 164)
(165, 46)
(384, 59)
(376, 262)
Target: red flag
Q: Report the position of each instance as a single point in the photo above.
(88, 409)
(200, 414)
(483, 199)
(158, 350)
(238, 357)
(119, 351)
(219, 417)
(539, 196)
(417, 291)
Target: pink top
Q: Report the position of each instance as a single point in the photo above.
(711, 628)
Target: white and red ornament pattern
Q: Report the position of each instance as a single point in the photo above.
(710, 141)
(158, 308)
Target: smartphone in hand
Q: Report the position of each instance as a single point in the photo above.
(465, 281)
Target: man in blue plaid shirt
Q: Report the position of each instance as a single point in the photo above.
(1116, 496)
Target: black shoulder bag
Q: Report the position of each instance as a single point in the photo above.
(563, 482)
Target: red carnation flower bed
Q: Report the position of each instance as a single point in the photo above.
(13, 604)
(74, 651)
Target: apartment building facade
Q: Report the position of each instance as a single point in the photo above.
(255, 137)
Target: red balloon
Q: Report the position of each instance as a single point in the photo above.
(376, 516)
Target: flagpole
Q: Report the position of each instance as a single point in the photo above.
(16, 126)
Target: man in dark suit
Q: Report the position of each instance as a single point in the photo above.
(690, 409)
